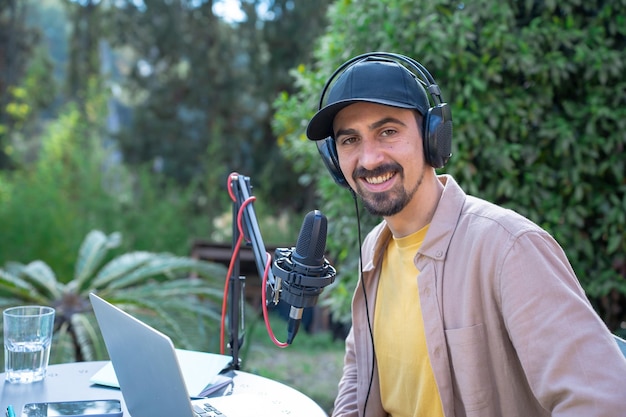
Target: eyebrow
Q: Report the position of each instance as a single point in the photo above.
(374, 125)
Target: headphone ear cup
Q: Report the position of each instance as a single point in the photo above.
(328, 151)
(438, 135)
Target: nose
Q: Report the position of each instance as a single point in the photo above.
(371, 153)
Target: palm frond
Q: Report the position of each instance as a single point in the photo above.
(162, 265)
(186, 310)
(161, 317)
(180, 296)
(119, 267)
(212, 272)
(88, 337)
(92, 252)
(41, 276)
(15, 290)
(169, 290)
(13, 267)
(62, 349)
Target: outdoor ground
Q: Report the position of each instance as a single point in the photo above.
(312, 364)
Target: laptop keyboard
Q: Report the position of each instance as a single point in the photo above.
(206, 410)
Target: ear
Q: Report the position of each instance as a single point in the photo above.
(328, 150)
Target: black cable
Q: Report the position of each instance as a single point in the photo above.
(367, 311)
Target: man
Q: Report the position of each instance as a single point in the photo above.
(463, 308)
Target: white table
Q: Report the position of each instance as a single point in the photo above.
(70, 382)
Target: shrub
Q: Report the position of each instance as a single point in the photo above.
(76, 184)
(179, 295)
(537, 96)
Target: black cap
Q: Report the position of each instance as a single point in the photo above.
(374, 81)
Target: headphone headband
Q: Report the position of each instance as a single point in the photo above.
(425, 78)
(437, 120)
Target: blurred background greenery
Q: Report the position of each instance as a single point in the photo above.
(127, 116)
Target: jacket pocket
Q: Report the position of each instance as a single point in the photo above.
(470, 367)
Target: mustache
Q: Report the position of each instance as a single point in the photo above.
(360, 172)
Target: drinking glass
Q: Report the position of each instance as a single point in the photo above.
(27, 339)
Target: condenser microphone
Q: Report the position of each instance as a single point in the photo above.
(303, 270)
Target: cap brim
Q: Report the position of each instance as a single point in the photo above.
(321, 124)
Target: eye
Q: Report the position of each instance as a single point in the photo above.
(347, 140)
(388, 132)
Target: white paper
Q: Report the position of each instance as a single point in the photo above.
(198, 369)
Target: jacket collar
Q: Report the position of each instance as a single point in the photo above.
(439, 234)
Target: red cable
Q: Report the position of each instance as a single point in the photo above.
(270, 332)
(230, 269)
(229, 188)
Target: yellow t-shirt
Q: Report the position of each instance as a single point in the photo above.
(407, 383)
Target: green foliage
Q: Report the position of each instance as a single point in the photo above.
(198, 90)
(537, 97)
(179, 295)
(74, 186)
(22, 106)
(26, 84)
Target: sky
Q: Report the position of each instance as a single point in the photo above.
(229, 10)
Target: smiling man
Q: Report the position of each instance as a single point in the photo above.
(463, 308)
(377, 144)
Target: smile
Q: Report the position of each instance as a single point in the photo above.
(379, 179)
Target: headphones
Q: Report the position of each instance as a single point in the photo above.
(437, 122)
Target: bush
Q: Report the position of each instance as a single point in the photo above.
(47, 206)
(537, 96)
(179, 295)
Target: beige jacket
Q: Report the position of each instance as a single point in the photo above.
(509, 329)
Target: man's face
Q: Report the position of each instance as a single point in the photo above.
(380, 154)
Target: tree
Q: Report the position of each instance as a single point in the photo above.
(181, 85)
(84, 66)
(199, 89)
(275, 41)
(25, 82)
(537, 96)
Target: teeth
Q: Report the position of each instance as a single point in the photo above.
(379, 179)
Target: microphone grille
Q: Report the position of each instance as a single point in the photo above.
(311, 243)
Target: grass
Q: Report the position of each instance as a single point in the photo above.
(312, 364)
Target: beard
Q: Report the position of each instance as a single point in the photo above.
(386, 203)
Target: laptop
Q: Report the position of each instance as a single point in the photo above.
(149, 375)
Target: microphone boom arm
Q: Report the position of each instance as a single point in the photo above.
(241, 193)
(297, 276)
(241, 187)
